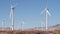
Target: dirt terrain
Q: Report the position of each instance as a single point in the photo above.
(29, 32)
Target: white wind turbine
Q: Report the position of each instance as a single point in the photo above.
(22, 24)
(2, 24)
(12, 15)
(42, 25)
(46, 14)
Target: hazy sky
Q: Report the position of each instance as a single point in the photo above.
(29, 12)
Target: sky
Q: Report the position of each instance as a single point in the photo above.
(29, 12)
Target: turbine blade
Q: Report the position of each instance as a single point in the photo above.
(14, 5)
(43, 11)
(10, 13)
(48, 13)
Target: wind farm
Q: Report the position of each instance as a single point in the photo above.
(30, 17)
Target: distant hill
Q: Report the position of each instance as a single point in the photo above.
(50, 28)
(55, 27)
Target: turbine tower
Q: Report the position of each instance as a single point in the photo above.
(46, 14)
(12, 14)
(22, 24)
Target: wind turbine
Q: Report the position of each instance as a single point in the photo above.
(12, 15)
(42, 25)
(46, 14)
(2, 24)
(22, 24)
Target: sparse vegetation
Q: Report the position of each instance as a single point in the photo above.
(31, 32)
